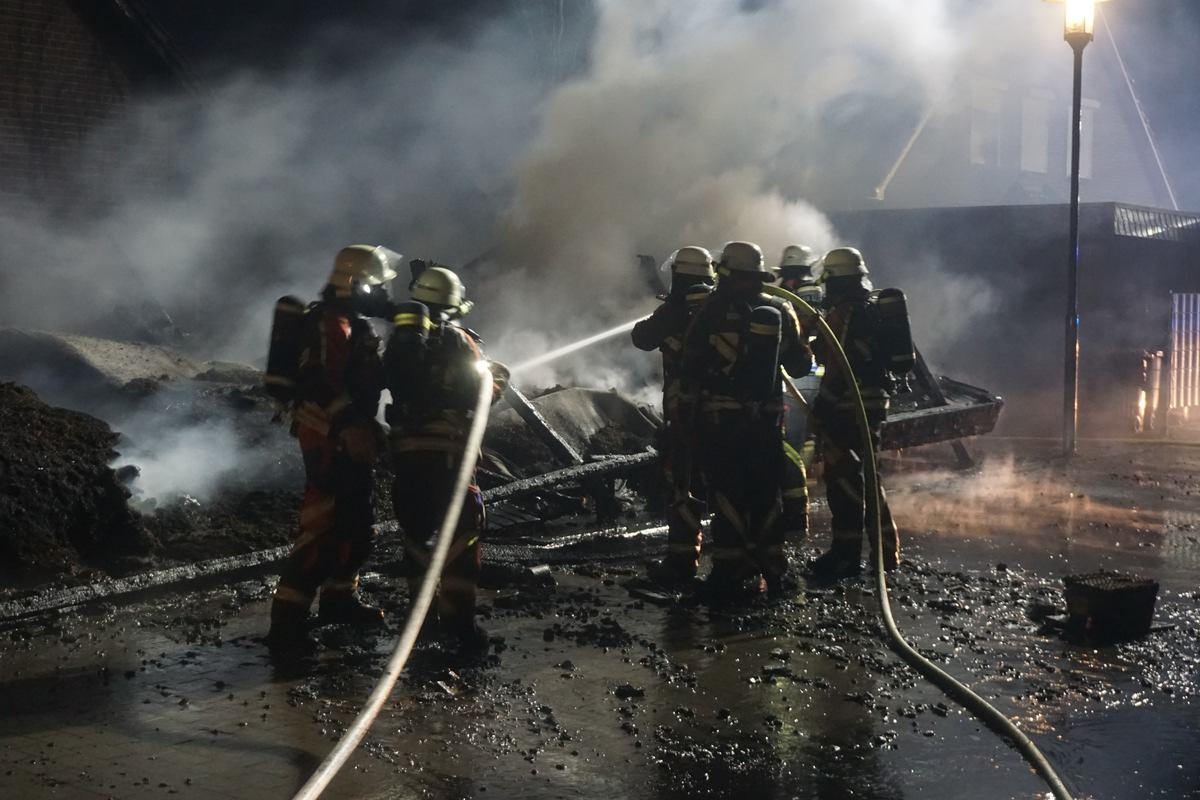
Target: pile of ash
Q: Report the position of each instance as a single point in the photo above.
(63, 509)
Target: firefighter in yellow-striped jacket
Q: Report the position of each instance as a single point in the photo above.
(853, 314)
(432, 366)
(684, 507)
(734, 348)
(338, 386)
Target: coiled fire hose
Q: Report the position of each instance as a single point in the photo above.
(957, 691)
(420, 604)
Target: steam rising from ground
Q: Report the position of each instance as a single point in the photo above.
(685, 123)
(1002, 500)
(196, 458)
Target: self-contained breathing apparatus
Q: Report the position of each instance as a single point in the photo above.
(758, 367)
(889, 353)
(893, 337)
(360, 273)
(283, 354)
(425, 356)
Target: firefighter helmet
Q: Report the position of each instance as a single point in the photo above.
(439, 287)
(743, 257)
(798, 255)
(844, 262)
(368, 265)
(692, 260)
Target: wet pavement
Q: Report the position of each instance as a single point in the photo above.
(598, 686)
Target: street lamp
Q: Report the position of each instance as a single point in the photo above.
(1078, 26)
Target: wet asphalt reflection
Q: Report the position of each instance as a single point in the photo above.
(598, 685)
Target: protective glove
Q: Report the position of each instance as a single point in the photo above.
(500, 376)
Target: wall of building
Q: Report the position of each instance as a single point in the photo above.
(987, 292)
(60, 84)
(1002, 136)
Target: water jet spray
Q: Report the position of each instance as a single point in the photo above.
(571, 348)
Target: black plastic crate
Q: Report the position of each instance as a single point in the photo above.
(1108, 607)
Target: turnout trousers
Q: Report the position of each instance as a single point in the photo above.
(683, 510)
(845, 487)
(742, 468)
(336, 537)
(421, 493)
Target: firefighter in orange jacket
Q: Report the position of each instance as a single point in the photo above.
(339, 383)
(733, 350)
(853, 319)
(432, 368)
(692, 277)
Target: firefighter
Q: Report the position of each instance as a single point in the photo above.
(799, 267)
(692, 278)
(339, 379)
(432, 371)
(850, 309)
(799, 272)
(732, 400)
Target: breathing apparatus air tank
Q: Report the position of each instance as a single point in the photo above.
(895, 335)
(759, 372)
(411, 324)
(283, 354)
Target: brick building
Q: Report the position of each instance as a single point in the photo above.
(69, 66)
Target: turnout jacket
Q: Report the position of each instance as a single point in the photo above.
(663, 330)
(719, 365)
(340, 376)
(434, 386)
(854, 321)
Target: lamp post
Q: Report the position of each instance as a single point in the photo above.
(1078, 26)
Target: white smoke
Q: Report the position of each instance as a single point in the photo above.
(688, 123)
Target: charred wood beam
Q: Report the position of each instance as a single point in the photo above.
(581, 474)
(559, 446)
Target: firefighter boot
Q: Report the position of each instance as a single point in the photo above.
(431, 626)
(795, 519)
(844, 559)
(469, 635)
(344, 608)
(456, 608)
(289, 628)
(459, 627)
(731, 583)
(776, 575)
(670, 573)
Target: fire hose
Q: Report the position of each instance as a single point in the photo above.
(328, 768)
(957, 691)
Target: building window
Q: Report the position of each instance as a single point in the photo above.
(985, 125)
(1035, 133)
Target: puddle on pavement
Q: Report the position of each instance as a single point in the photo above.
(597, 692)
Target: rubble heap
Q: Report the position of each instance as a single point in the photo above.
(63, 509)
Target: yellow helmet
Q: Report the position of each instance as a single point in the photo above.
(743, 257)
(438, 286)
(367, 264)
(844, 262)
(692, 260)
(798, 255)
